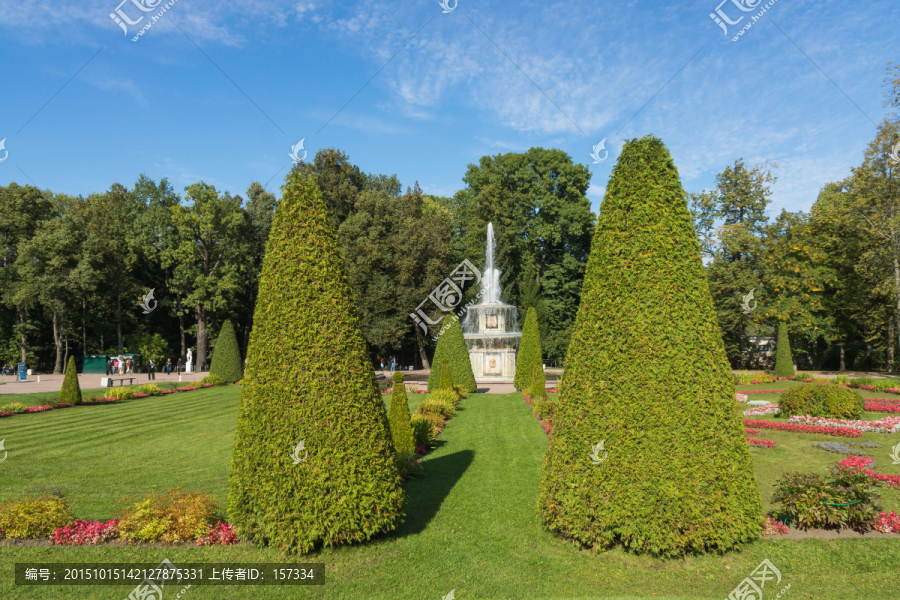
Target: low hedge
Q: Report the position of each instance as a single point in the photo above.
(822, 400)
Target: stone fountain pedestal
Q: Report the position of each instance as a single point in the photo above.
(492, 348)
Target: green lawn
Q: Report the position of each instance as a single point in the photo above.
(471, 521)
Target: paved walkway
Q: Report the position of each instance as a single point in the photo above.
(53, 383)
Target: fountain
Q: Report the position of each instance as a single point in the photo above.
(489, 328)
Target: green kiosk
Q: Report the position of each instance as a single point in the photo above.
(95, 364)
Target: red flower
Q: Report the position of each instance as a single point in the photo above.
(797, 428)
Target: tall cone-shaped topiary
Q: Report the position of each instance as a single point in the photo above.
(226, 362)
(529, 351)
(313, 461)
(646, 374)
(451, 347)
(784, 363)
(71, 391)
(399, 417)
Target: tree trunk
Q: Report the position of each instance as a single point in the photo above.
(66, 359)
(201, 335)
(867, 364)
(843, 365)
(102, 345)
(119, 320)
(57, 340)
(181, 327)
(890, 356)
(420, 341)
(23, 340)
(84, 325)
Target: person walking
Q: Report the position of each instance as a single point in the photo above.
(150, 369)
(382, 365)
(108, 364)
(178, 366)
(393, 364)
(168, 366)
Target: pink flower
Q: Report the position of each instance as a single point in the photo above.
(763, 443)
(888, 523)
(221, 535)
(37, 409)
(78, 533)
(837, 431)
(773, 527)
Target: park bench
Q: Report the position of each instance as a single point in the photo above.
(109, 381)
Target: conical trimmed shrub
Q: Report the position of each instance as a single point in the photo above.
(71, 390)
(451, 347)
(538, 384)
(646, 374)
(226, 362)
(784, 363)
(529, 351)
(313, 460)
(398, 416)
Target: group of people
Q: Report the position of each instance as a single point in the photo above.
(391, 362)
(8, 370)
(115, 366)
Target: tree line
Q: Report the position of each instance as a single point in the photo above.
(75, 270)
(832, 274)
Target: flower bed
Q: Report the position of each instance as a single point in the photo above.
(552, 391)
(221, 535)
(885, 425)
(763, 443)
(887, 522)
(887, 408)
(141, 396)
(773, 527)
(797, 428)
(861, 463)
(741, 397)
(882, 400)
(167, 391)
(420, 391)
(762, 391)
(791, 378)
(749, 431)
(206, 385)
(188, 389)
(845, 448)
(36, 409)
(79, 533)
(99, 401)
(6, 414)
(758, 411)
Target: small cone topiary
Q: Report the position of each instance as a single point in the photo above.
(529, 351)
(226, 362)
(446, 377)
(313, 461)
(538, 384)
(398, 416)
(646, 448)
(451, 347)
(784, 362)
(71, 391)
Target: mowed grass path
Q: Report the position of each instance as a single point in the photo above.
(471, 523)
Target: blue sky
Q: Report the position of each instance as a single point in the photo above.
(221, 92)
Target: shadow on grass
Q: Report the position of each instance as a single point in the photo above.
(427, 492)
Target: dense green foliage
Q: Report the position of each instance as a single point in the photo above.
(646, 373)
(175, 516)
(71, 391)
(784, 362)
(33, 517)
(398, 416)
(536, 201)
(451, 347)
(226, 362)
(537, 383)
(843, 498)
(446, 380)
(309, 391)
(822, 400)
(529, 351)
